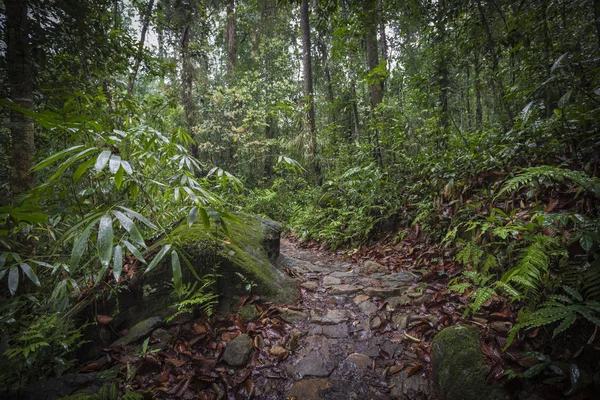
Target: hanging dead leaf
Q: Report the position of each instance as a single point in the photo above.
(412, 370)
(103, 319)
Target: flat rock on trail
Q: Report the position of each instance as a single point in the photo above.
(350, 325)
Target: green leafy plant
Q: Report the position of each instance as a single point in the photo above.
(194, 297)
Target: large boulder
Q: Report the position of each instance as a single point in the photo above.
(243, 259)
(459, 370)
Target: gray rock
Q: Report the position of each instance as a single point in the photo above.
(394, 302)
(384, 291)
(331, 280)
(310, 286)
(372, 267)
(344, 289)
(358, 360)
(163, 335)
(308, 389)
(339, 331)
(376, 323)
(248, 312)
(400, 321)
(66, 385)
(403, 276)
(368, 307)
(331, 317)
(139, 331)
(458, 368)
(314, 364)
(343, 274)
(292, 316)
(238, 351)
(360, 298)
(412, 387)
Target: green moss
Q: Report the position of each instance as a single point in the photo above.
(459, 370)
(240, 252)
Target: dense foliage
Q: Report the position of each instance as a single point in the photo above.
(472, 124)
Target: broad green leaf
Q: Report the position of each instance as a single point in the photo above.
(55, 157)
(130, 227)
(102, 160)
(117, 262)
(177, 278)
(80, 246)
(140, 217)
(69, 162)
(136, 253)
(192, 215)
(119, 177)
(105, 240)
(205, 219)
(2, 273)
(586, 242)
(3, 259)
(81, 170)
(101, 273)
(13, 280)
(30, 274)
(127, 167)
(161, 254)
(114, 163)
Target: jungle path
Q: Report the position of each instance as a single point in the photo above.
(350, 335)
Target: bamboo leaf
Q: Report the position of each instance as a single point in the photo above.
(55, 157)
(102, 160)
(105, 240)
(114, 163)
(177, 277)
(117, 262)
(136, 253)
(80, 246)
(139, 216)
(13, 280)
(205, 219)
(30, 274)
(130, 227)
(192, 215)
(161, 254)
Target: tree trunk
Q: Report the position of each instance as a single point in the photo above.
(443, 79)
(376, 88)
(21, 93)
(376, 85)
(231, 40)
(187, 86)
(308, 90)
(476, 82)
(382, 37)
(140, 51)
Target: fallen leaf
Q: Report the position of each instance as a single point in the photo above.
(103, 319)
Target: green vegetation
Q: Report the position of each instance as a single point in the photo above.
(135, 127)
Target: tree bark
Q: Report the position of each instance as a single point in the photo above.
(21, 93)
(597, 19)
(376, 88)
(382, 37)
(231, 39)
(308, 90)
(140, 51)
(376, 84)
(187, 86)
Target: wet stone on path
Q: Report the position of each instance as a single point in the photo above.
(347, 327)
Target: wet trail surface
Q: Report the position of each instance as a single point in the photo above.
(349, 338)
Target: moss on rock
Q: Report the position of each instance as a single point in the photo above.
(459, 370)
(245, 250)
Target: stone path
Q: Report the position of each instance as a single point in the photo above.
(349, 333)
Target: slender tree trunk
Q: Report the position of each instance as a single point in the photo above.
(382, 37)
(327, 72)
(21, 93)
(140, 51)
(231, 39)
(477, 84)
(497, 86)
(376, 86)
(308, 90)
(443, 79)
(187, 86)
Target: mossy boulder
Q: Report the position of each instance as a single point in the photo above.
(243, 259)
(459, 370)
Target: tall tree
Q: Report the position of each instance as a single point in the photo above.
(231, 39)
(140, 50)
(308, 89)
(21, 93)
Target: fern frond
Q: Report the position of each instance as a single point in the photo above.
(481, 295)
(528, 272)
(565, 324)
(546, 174)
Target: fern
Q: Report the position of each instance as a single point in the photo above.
(563, 308)
(196, 299)
(533, 263)
(547, 175)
